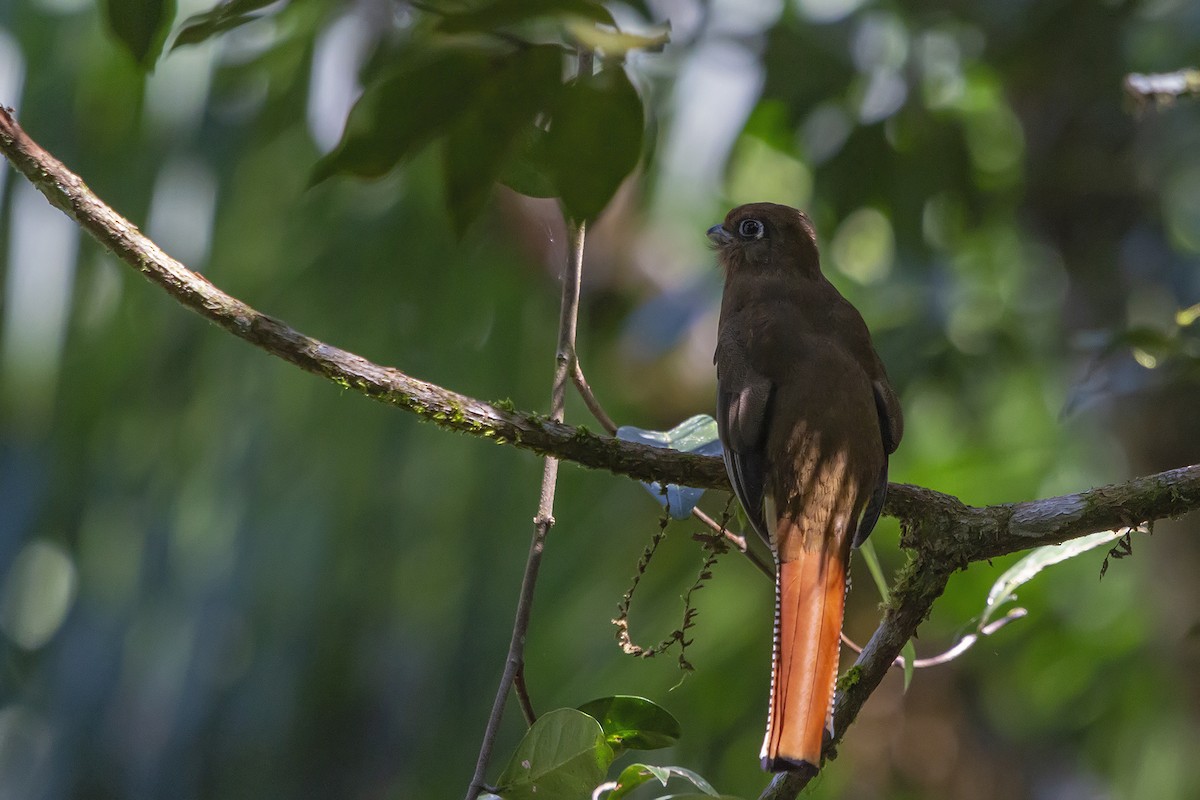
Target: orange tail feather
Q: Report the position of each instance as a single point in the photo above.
(810, 601)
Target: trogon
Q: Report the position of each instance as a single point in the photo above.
(808, 419)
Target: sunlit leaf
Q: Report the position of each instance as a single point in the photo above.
(562, 755)
(501, 13)
(595, 140)
(1185, 317)
(698, 435)
(222, 17)
(1024, 570)
(635, 775)
(141, 26)
(480, 143)
(633, 722)
(398, 113)
(612, 42)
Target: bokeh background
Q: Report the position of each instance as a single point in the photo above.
(221, 577)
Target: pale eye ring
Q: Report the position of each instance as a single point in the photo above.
(751, 229)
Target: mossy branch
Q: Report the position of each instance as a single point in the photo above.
(943, 533)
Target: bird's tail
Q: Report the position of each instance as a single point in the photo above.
(810, 599)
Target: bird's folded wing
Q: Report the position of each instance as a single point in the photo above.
(743, 403)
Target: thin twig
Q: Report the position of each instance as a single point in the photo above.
(739, 542)
(736, 539)
(964, 644)
(961, 646)
(523, 699)
(589, 399)
(564, 357)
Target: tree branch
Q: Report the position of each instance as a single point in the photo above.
(1166, 494)
(445, 408)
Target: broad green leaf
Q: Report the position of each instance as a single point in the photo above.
(222, 17)
(696, 434)
(522, 86)
(633, 722)
(615, 42)
(398, 113)
(563, 755)
(635, 775)
(698, 796)
(1029, 566)
(595, 140)
(141, 26)
(527, 170)
(501, 13)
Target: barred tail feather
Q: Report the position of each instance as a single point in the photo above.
(810, 599)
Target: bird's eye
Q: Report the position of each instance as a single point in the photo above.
(751, 229)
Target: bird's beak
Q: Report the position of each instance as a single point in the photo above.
(719, 236)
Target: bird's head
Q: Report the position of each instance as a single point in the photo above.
(765, 236)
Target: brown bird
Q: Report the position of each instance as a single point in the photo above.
(807, 418)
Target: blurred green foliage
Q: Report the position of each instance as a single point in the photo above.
(221, 577)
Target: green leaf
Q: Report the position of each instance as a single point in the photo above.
(635, 775)
(222, 17)
(141, 26)
(698, 796)
(483, 140)
(633, 722)
(595, 140)
(615, 43)
(1024, 570)
(563, 755)
(399, 113)
(502, 13)
(527, 170)
(696, 434)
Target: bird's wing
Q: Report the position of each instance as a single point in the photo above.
(891, 428)
(743, 402)
(891, 419)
